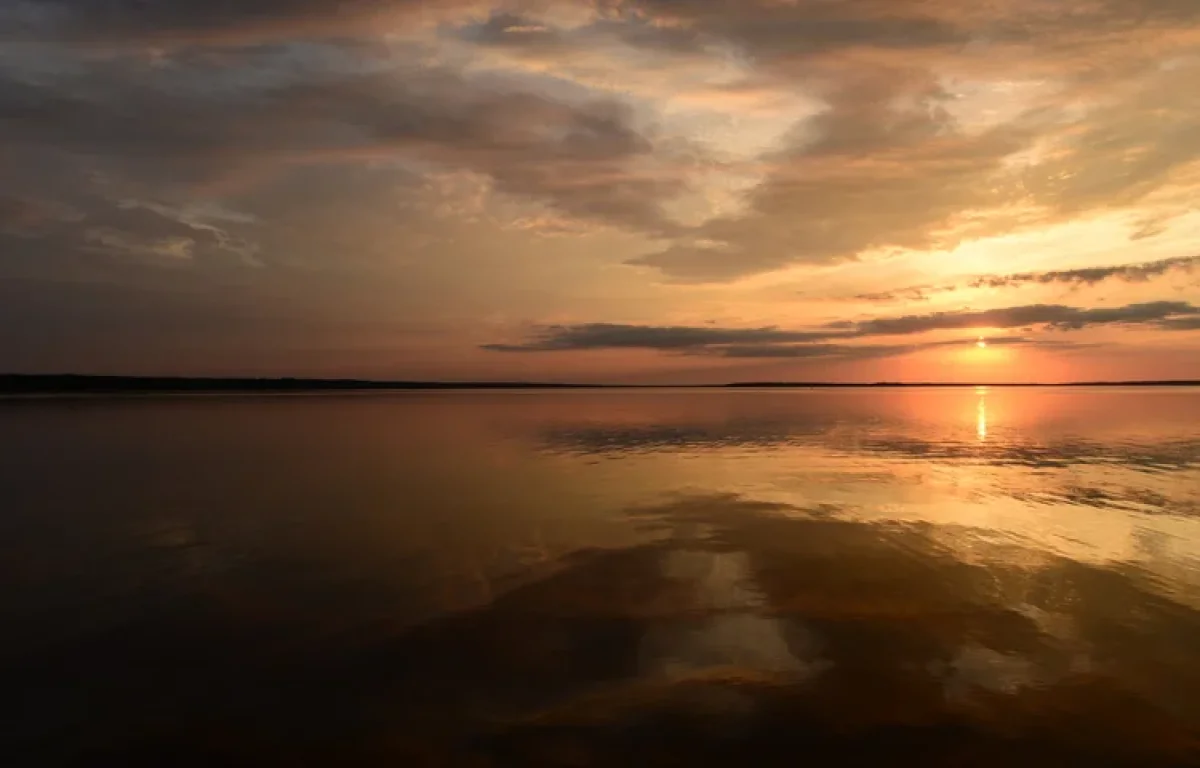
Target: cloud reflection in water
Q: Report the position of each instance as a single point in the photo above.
(764, 632)
(613, 578)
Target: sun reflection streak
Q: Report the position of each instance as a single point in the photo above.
(981, 418)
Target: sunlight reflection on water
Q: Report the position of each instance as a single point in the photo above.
(925, 577)
(981, 415)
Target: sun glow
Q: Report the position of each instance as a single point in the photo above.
(984, 357)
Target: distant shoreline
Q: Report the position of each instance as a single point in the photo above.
(87, 384)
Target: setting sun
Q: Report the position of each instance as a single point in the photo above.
(985, 357)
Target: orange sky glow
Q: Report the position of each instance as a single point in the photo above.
(616, 191)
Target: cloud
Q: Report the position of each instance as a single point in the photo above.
(1055, 316)
(889, 162)
(866, 351)
(167, 22)
(27, 217)
(1182, 324)
(585, 159)
(509, 30)
(918, 293)
(797, 29)
(775, 344)
(700, 140)
(1086, 276)
(882, 167)
(107, 232)
(784, 33)
(557, 338)
(1130, 273)
(829, 339)
(895, 161)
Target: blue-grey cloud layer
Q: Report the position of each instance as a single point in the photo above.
(824, 341)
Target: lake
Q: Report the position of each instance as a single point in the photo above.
(941, 576)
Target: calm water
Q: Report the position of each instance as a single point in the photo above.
(907, 577)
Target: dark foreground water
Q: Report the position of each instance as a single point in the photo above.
(863, 577)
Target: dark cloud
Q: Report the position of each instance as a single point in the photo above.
(1056, 316)
(96, 234)
(508, 30)
(866, 351)
(905, 294)
(27, 217)
(766, 28)
(1130, 273)
(1182, 324)
(205, 21)
(772, 29)
(584, 159)
(798, 351)
(1086, 276)
(786, 30)
(776, 342)
(557, 338)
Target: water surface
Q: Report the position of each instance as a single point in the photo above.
(916, 577)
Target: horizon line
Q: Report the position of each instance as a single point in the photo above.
(67, 383)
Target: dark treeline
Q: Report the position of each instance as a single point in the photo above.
(86, 384)
(69, 383)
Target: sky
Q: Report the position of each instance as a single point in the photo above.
(624, 191)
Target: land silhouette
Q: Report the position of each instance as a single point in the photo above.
(16, 384)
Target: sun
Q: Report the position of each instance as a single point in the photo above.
(979, 351)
